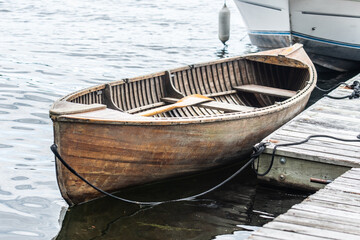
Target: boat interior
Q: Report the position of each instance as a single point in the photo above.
(234, 85)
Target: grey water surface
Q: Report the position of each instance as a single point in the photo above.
(51, 48)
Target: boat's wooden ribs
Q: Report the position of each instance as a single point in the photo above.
(88, 98)
(237, 85)
(215, 80)
(206, 80)
(277, 92)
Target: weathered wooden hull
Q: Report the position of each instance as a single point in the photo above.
(114, 149)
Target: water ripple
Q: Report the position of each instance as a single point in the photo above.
(23, 128)
(30, 120)
(5, 146)
(41, 115)
(19, 178)
(24, 187)
(2, 192)
(37, 98)
(7, 86)
(8, 106)
(49, 73)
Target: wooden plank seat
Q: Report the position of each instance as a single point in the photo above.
(276, 92)
(221, 106)
(65, 107)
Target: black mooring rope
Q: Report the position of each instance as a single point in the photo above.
(258, 149)
(73, 171)
(332, 88)
(355, 94)
(298, 143)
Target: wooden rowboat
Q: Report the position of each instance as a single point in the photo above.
(170, 123)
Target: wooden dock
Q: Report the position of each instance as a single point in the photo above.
(334, 211)
(320, 158)
(331, 213)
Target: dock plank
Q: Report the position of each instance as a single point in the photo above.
(314, 156)
(333, 205)
(349, 150)
(309, 128)
(351, 175)
(328, 102)
(334, 116)
(262, 238)
(322, 217)
(324, 209)
(303, 135)
(337, 118)
(337, 199)
(313, 231)
(349, 189)
(343, 110)
(283, 235)
(330, 213)
(333, 212)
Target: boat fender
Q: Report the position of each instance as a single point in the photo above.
(224, 24)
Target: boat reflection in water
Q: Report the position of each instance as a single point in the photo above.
(239, 202)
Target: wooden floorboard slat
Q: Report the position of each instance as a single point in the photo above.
(322, 209)
(317, 157)
(336, 199)
(322, 147)
(323, 217)
(307, 127)
(333, 148)
(334, 211)
(303, 136)
(310, 231)
(262, 238)
(284, 235)
(331, 213)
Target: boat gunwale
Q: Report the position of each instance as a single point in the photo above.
(129, 119)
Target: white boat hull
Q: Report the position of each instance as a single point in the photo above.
(328, 29)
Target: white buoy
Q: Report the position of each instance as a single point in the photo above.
(224, 24)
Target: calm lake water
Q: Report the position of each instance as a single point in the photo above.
(51, 48)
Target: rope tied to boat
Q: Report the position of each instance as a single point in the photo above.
(54, 149)
(355, 86)
(257, 150)
(256, 168)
